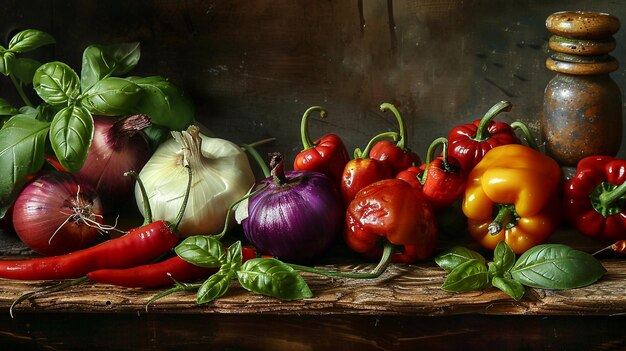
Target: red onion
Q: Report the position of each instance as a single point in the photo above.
(56, 214)
(295, 215)
(118, 146)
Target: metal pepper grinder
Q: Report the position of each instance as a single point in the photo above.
(582, 110)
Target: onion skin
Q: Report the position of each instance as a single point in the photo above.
(46, 203)
(118, 146)
(297, 220)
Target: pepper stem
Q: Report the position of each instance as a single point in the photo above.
(608, 199)
(304, 125)
(506, 216)
(147, 210)
(401, 124)
(380, 268)
(365, 153)
(530, 139)
(430, 156)
(482, 133)
(181, 212)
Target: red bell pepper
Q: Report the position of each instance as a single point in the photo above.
(394, 212)
(595, 198)
(470, 142)
(363, 170)
(397, 155)
(327, 154)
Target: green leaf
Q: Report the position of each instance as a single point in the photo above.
(101, 61)
(451, 258)
(269, 276)
(510, 286)
(29, 39)
(215, 286)
(56, 83)
(112, 97)
(166, 105)
(22, 148)
(470, 275)
(71, 132)
(503, 260)
(235, 256)
(24, 70)
(201, 250)
(556, 266)
(6, 109)
(7, 59)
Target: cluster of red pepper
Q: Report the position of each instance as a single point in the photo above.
(507, 191)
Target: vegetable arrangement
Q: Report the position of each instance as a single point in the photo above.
(98, 139)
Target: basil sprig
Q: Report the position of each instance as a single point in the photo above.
(267, 276)
(63, 121)
(547, 266)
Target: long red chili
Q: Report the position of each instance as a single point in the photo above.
(137, 247)
(158, 274)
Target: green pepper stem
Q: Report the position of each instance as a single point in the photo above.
(530, 139)
(506, 215)
(430, 156)
(380, 268)
(385, 135)
(481, 132)
(402, 143)
(259, 160)
(181, 212)
(147, 210)
(304, 125)
(607, 198)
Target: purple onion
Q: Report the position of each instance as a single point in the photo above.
(296, 216)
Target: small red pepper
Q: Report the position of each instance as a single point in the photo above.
(594, 199)
(391, 210)
(158, 274)
(327, 154)
(470, 142)
(363, 170)
(397, 155)
(443, 179)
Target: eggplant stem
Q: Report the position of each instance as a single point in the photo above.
(380, 268)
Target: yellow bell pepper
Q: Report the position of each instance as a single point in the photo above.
(512, 196)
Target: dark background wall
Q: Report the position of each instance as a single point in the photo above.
(253, 67)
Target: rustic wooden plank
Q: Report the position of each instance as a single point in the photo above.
(402, 290)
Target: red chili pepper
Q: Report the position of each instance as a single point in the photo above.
(594, 199)
(392, 210)
(470, 142)
(443, 180)
(327, 154)
(397, 155)
(158, 274)
(138, 246)
(363, 170)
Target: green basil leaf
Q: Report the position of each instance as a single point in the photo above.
(454, 256)
(269, 276)
(166, 105)
(556, 266)
(6, 62)
(29, 39)
(510, 286)
(503, 260)
(22, 149)
(470, 275)
(101, 61)
(156, 135)
(201, 250)
(6, 109)
(71, 132)
(215, 286)
(112, 96)
(24, 70)
(235, 256)
(56, 83)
